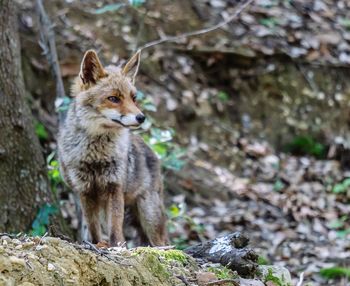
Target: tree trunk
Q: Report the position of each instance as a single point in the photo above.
(23, 181)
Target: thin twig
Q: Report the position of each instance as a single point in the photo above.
(239, 9)
(48, 45)
(94, 248)
(40, 241)
(10, 235)
(183, 279)
(301, 279)
(105, 253)
(167, 247)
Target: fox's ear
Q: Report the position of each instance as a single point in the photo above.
(91, 69)
(132, 66)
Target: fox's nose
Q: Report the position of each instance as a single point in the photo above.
(140, 118)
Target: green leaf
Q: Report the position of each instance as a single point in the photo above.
(278, 186)
(174, 211)
(109, 8)
(62, 104)
(137, 3)
(345, 23)
(50, 157)
(223, 96)
(160, 136)
(173, 161)
(149, 106)
(269, 22)
(339, 188)
(140, 95)
(343, 233)
(41, 221)
(337, 223)
(346, 183)
(41, 131)
(160, 149)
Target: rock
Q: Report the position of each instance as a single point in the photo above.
(16, 260)
(204, 277)
(250, 282)
(50, 267)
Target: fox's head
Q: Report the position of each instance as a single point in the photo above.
(107, 95)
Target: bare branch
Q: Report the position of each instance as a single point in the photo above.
(239, 9)
(48, 45)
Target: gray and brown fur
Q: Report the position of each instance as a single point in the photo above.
(109, 167)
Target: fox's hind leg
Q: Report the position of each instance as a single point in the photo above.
(91, 209)
(152, 218)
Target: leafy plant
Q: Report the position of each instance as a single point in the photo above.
(223, 96)
(306, 145)
(160, 140)
(40, 131)
(345, 23)
(276, 280)
(223, 272)
(269, 22)
(342, 187)
(42, 220)
(335, 272)
(278, 185)
(62, 104)
(340, 226)
(177, 215)
(53, 172)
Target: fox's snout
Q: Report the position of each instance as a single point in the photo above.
(127, 119)
(140, 118)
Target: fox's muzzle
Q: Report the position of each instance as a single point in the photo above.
(140, 118)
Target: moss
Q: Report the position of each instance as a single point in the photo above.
(152, 262)
(223, 272)
(166, 255)
(335, 272)
(263, 260)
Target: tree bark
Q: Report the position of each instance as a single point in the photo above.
(23, 181)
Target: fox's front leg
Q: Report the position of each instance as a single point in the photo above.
(116, 216)
(91, 208)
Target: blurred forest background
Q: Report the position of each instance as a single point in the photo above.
(251, 121)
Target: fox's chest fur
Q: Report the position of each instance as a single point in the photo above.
(97, 161)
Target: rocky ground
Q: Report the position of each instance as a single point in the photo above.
(47, 261)
(236, 98)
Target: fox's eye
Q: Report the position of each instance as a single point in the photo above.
(114, 99)
(134, 98)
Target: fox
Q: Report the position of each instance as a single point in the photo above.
(109, 167)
